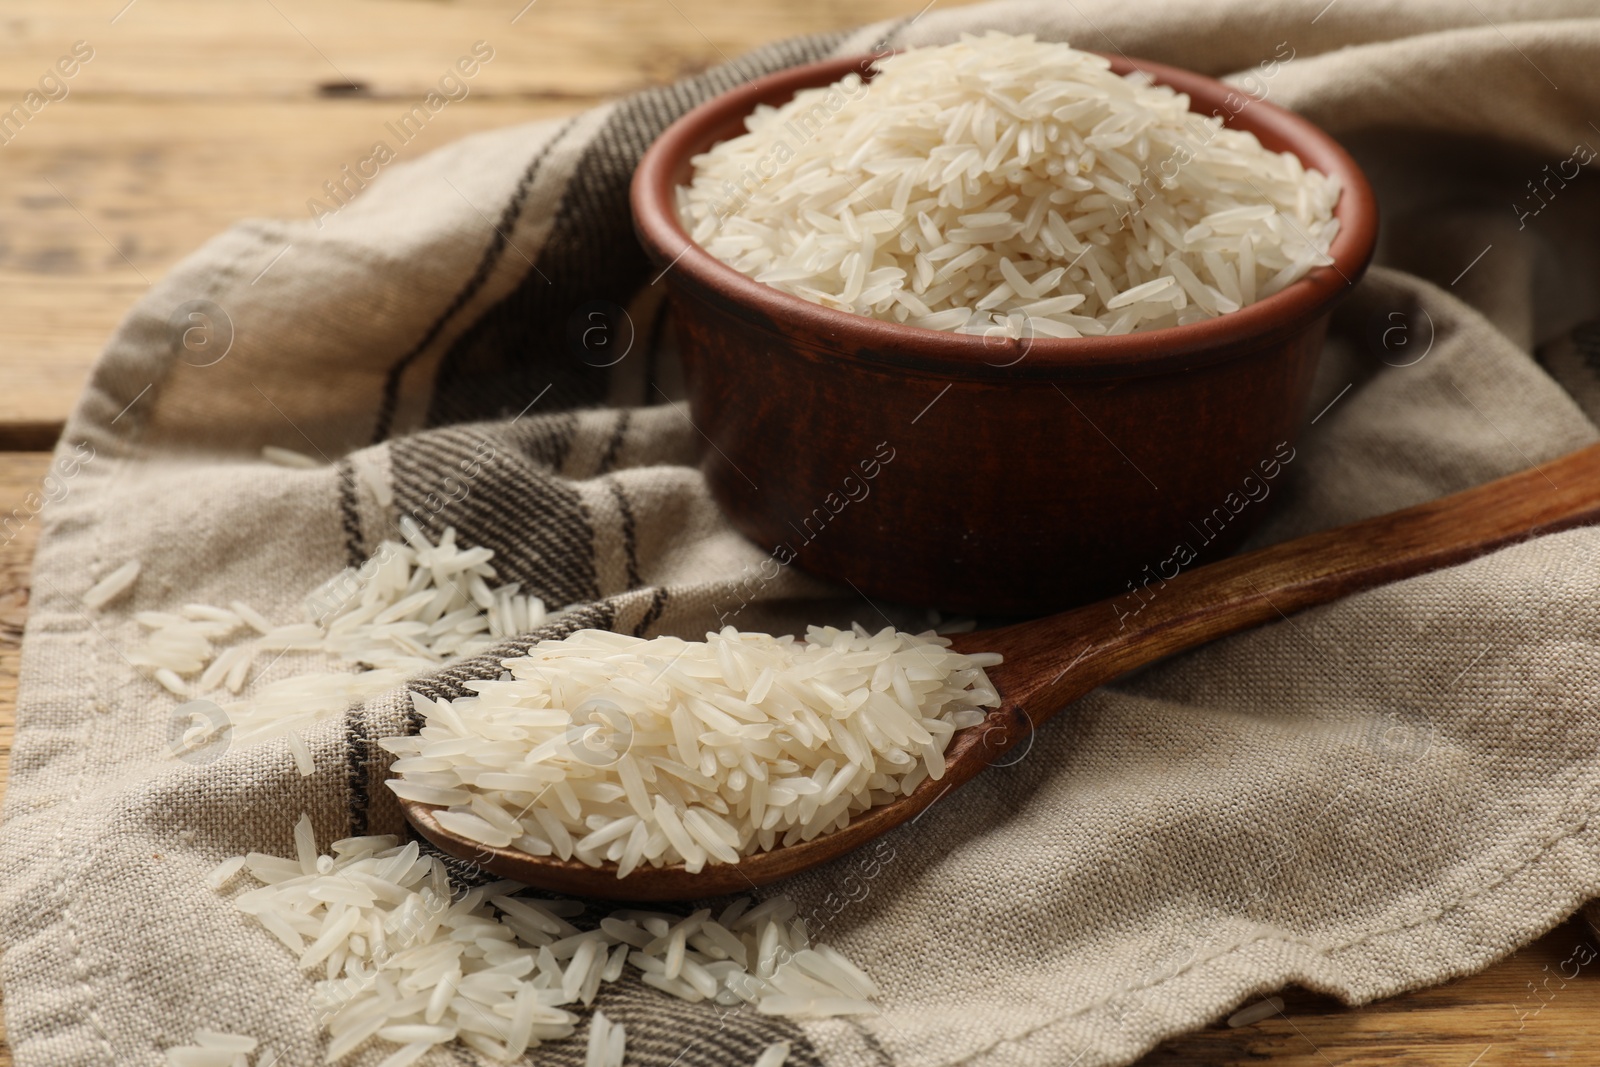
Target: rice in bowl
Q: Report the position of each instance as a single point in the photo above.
(1012, 187)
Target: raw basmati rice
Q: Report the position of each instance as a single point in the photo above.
(628, 751)
(303, 761)
(1008, 187)
(413, 607)
(112, 585)
(288, 457)
(606, 1042)
(213, 1048)
(1261, 1009)
(773, 1055)
(401, 958)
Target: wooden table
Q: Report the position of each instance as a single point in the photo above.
(192, 114)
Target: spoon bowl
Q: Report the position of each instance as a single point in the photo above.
(1049, 663)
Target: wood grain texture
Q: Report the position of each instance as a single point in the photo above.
(563, 49)
(1540, 1005)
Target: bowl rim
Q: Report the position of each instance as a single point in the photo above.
(1288, 311)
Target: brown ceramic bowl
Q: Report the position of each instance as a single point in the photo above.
(967, 473)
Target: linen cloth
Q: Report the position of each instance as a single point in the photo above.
(1369, 797)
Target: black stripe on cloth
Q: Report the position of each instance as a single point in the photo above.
(350, 514)
(358, 761)
(480, 275)
(464, 874)
(630, 543)
(546, 440)
(614, 446)
(357, 741)
(518, 346)
(658, 604)
(664, 1031)
(496, 487)
(450, 682)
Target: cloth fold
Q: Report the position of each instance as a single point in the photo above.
(1366, 798)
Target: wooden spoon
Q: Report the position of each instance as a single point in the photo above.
(1051, 662)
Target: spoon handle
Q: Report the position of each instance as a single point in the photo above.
(1051, 662)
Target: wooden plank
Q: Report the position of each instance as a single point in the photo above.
(122, 189)
(1539, 1005)
(54, 328)
(555, 49)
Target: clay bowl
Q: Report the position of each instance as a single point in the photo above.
(979, 474)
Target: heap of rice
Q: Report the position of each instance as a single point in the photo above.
(1003, 185)
(413, 607)
(401, 960)
(623, 750)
